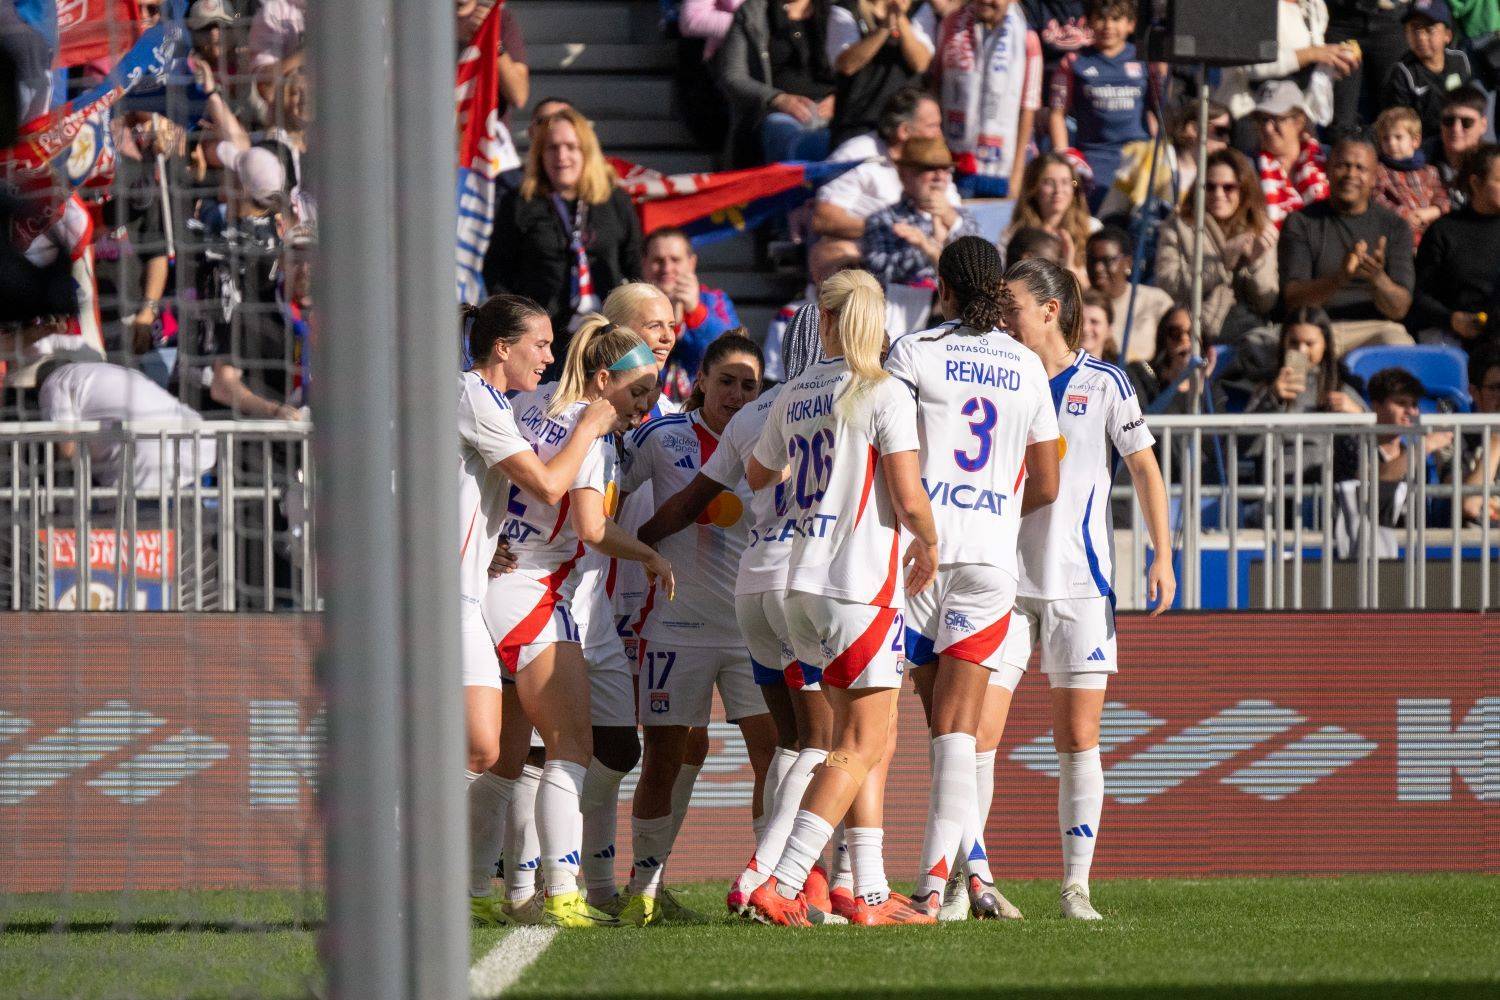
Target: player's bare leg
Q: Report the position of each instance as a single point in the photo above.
(1080, 793)
(873, 901)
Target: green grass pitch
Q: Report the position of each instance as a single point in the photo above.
(1383, 936)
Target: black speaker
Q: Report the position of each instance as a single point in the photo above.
(1216, 32)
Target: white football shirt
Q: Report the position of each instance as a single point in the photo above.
(1065, 546)
(981, 399)
(487, 436)
(628, 589)
(541, 535)
(848, 539)
(705, 557)
(763, 564)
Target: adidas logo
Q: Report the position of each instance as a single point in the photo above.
(607, 853)
(1097, 654)
(529, 866)
(1080, 831)
(685, 462)
(571, 858)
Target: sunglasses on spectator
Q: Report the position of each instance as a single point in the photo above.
(1229, 188)
(1464, 122)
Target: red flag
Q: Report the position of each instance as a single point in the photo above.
(95, 29)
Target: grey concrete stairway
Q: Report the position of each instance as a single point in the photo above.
(611, 59)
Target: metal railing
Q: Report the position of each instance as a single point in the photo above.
(210, 516)
(1290, 511)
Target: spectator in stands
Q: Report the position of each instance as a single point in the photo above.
(1430, 69)
(1290, 161)
(207, 20)
(1484, 386)
(1375, 27)
(824, 259)
(1394, 396)
(1052, 199)
(1098, 326)
(1459, 261)
(703, 314)
(1350, 256)
(877, 49)
(1240, 284)
(130, 253)
(988, 73)
(844, 203)
(1302, 60)
(78, 386)
(1463, 124)
(1408, 185)
(1176, 167)
(1309, 377)
(708, 20)
(237, 358)
(1061, 27)
(569, 235)
(1109, 256)
(1167, 370)
(276, 32)
(286, 133)
(774, 69)
(513, 71)
(902, 244)
(1107, 92)
(1034, 242)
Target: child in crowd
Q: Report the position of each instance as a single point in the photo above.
(1108, 93)
(1429, 70)
(1407, 184)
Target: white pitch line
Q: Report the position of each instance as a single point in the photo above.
(498, 971)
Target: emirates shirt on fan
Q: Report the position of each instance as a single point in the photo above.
(540, 534)
(1065, 546)
(763, 564)
(487, 435)
(705, 557)
(981, 400)
(847, 542)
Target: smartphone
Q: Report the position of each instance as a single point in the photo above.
(1298, 363)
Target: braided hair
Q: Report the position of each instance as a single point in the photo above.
(971, 271)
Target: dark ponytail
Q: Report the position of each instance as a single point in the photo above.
(971, 271)
(735, 341)
(1045, 280)
(500, 319)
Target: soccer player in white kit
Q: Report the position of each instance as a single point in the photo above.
(693, 645)
(510, 339)
(987, 426)
(529, 608)
(1066, 602)
(842, 441)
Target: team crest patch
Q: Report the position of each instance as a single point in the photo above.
(958, 621)
(660, 702)
(1077, 404)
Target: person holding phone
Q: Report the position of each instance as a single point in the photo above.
(1309, 379)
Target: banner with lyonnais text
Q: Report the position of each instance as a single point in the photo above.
(173, 751)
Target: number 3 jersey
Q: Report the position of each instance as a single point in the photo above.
(668, 453)
(981, 400)
(847, 542)
(1065, 546)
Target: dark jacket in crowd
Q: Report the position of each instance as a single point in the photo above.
(1457, 268)
(529, 253)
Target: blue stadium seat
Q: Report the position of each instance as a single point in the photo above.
(1443, 371)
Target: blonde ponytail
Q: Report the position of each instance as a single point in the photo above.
(596, 345)
(857, 304)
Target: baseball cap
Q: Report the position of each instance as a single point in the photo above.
(205, 13)
(1437, 11)
(258, 171)
(1277, 97)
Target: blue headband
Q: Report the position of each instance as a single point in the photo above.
(638, 356)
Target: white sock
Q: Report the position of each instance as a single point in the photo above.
(489, 798)
(781, 762)
(783, 814)
(559, 824)
(843, 868)
(950, 809)
(1080, 800)
(810, 834)
(976, 856)
(868, 856)
(470, 777)
(600, 805)
(652, 841)
(682, 794)
(758, 825)
(522, 852)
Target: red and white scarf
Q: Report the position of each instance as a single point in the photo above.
(582, 298)
(1307, 183)
(983, 77)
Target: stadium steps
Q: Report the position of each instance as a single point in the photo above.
(612, 59)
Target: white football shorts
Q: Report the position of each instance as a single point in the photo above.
(964, 614)
(528, 615)
(677, 684)
(1076, 636)
(854, 645)
(763, 624)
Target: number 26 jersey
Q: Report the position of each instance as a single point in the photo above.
(847, 538)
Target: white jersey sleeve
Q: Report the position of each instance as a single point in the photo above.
(540, 534)
(846, 542)
(488, 435)
(982, 398)
(763, 563)
(1127, 425)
